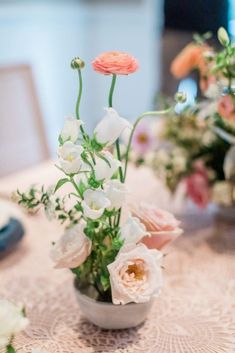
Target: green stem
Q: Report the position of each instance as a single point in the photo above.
(152, 113)
(76, 187)
(114, 78)
(79, 101)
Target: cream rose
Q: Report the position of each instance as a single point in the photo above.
(12, 321)
(135, 275)
(72, 249)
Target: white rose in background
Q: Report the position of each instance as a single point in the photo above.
(133, 230)
(94, 204)
(135, 275)
(71, 129)
(105, 170)
(72, 249)
(70, 157)
(12, 321)
(116, 192)
(110, 128)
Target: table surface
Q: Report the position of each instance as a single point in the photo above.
(195, 312)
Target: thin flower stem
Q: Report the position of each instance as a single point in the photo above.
(79, 101)
(151, 113)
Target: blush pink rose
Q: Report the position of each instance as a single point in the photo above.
(197, 185)
(161, 226)
(115, 62)
(72, 249)
(226, 108)
(135, 275)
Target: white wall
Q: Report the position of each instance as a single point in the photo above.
(49, 34)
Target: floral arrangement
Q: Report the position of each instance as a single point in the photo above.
(196, 146)
(120, 259)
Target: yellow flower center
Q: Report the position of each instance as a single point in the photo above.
(70, 158)
(136, 270)
(142, 138)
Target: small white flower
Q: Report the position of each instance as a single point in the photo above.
(71, 129)
(135, 275)
(116, 192)
(104, 170)
(110, 128)
(94, 203)
(70, 157)
(72, 249)
(12, 321)
(133, 230)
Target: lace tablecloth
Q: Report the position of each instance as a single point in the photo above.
(195, 313)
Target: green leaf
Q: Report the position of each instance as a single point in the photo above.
(10, 349)
(60, 183)
(105, 282)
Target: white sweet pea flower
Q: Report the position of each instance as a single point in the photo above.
(71, 129)
(12, 321)
(94, 203)
(133, 230)
(110, 127)
(104, 170)
(135, 275)
(72, 249)
(70, 157)
(116, 192)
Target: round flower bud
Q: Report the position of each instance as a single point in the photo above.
(180, 97)
(223, 36)
(77, 63)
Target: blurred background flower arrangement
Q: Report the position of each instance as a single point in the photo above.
(194, 146)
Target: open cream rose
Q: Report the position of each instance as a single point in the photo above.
(94, 203)
(72, 249)
(161, 225)
(135, 275)
(70, 157)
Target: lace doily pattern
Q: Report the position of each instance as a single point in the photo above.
(195, 312)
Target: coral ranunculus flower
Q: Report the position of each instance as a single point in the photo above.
(116, 63)
(189, 58)
(226, 108)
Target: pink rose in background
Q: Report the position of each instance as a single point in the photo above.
(197, 185)
(115, 62)
(143, 139)
(226, 108)
(162, 226)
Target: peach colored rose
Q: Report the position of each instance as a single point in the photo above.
(189, 58)
(226, 108)
(135, 275)
(115, 62)
(162, 226)
(72, 249)
(197, 185)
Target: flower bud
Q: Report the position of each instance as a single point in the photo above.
(180, 97)
(77, 63)
(223, 36)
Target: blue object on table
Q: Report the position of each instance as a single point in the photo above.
(10, 235)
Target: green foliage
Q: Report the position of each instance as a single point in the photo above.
(60, 183)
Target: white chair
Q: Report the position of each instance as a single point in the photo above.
(22, 137)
